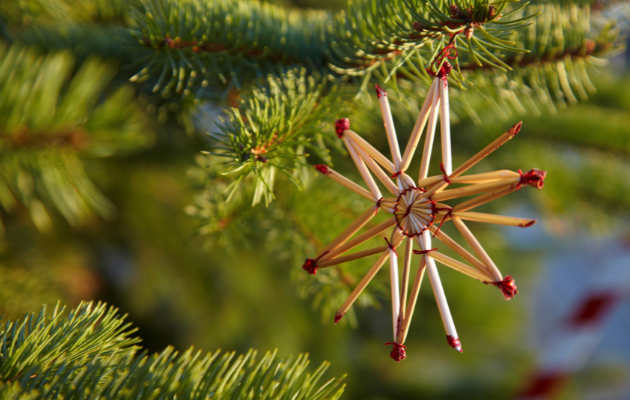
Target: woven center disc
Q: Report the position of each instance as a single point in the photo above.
(413, 212)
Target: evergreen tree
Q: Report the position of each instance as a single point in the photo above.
(118, 117)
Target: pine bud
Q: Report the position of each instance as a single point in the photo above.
(419, 26)
(468, 31)
(454, 11)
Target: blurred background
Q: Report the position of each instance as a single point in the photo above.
(150, 232)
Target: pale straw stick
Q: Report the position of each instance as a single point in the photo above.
(386, 180)
(472, 241)
(485, 198)
(365, 236)
(368, 148)
(428, 140)
(405, 282)
(359, 288)
(389, 126)
(459, 266)
(395, 289)
(430, 181)
(411, 304)
(435, 188)
(495, 219)
(475, 189)
(352, 257)
(350, 230)
(444, 238)
(367, 177)
(416, 133)
(486, 177)
(438, 291)
(445, 127)
(337, 177)
(405, 181)
(498, 142)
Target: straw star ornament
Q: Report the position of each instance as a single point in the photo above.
(418, 213)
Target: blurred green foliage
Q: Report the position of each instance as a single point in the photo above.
(190, 268)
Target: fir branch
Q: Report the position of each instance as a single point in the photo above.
(88, 355)
(41, 340)
(51, 117)
(389, 33)
(200, 45)
(271, 131)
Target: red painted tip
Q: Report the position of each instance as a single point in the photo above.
(534, 178)
(454, 342)
(322, 168)
(338, 317)
(379, 91)
(341, 125)
(398, 352)
(530, 223)
(508, 287)
(516, 128)
(310, 266)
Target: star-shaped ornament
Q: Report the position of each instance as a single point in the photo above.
(418, 211)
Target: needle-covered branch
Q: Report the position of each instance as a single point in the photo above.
(272, 131)
(88, 354)
(204, 45)
(50, 118)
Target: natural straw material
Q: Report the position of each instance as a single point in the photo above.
(418, 211)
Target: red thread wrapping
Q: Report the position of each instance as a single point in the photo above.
(423, 251)
(446, 179)
(310, 265)
(322, 168)
(396, 174)
(391, 247)
(507, 286)
(534, 178)
(398, 352)
(380, 92)
(454, 342)
(341, 125)
(448, 213)
(378, 205)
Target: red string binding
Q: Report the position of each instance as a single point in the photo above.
(446, 179)
(534, 178)
(378, 205)
(310, 265)
(398, 352)
(391, 247)
(507, 286)
(423, 251)
(449, 213)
